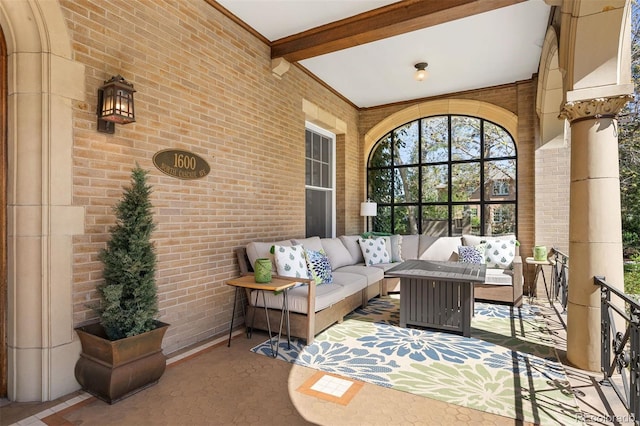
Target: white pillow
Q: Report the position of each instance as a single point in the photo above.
(291, 261)
(500, 252)
(396, 248)
(374, 251)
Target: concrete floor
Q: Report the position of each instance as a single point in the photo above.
(215, 385)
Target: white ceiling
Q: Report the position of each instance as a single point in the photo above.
(492, 48)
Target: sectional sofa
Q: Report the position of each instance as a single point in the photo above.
(355, 279)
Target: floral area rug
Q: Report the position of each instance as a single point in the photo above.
(507, 367)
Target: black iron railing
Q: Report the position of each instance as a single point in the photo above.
(621, 349)
(560, 277)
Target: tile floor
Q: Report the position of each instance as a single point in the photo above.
(216, 385)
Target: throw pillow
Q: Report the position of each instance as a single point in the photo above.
(319, 266)
(374, 251)
(499, 253)
(394, 247)
(469, 254)
(291, 261)
(482, 248)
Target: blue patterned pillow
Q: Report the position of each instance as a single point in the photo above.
(470, 254)
(319, 266)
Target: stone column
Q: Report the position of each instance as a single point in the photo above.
(595, 230)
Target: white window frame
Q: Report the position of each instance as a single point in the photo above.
(314, 128)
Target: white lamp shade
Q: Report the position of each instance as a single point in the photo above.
(368, 208)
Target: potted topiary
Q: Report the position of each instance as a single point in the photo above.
(122, 353)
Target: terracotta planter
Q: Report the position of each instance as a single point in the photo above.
(113, 370)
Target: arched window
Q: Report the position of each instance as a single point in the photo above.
(444, 175)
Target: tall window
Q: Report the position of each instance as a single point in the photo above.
(320, 177)
(445, 175)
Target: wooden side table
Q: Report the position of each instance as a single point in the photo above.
(539, 271)
(277, 284)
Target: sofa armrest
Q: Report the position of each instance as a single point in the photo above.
(311, 312)
(243, 261)
(517, 280)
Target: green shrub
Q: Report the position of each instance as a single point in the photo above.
(129, 301)
(632, 276)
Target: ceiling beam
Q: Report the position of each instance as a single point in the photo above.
(388, 21)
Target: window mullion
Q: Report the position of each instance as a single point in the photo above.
(420, 200)
(450, 177)
(482, 169)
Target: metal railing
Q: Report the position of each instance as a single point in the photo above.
(621, 349)
(559, 277)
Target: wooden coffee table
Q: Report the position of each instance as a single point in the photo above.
(437, 294)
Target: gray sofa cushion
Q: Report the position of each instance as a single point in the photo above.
(326, 295)
(258, 250)
(351, 244)
(352, 283)
(410, 245)
(497, 276)
(385, 266)
(443, 249)
(373, 274)
(394, 247)
(336, 252)
(311, 243)
(425, 241)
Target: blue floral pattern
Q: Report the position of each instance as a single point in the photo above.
(510, 355)
(319, 266)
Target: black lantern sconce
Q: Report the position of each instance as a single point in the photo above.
(115, 104)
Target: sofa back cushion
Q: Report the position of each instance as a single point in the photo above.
(443, 249)
(310, 243)
(394, 247)
(410, 246)
(336, 252)
(474, 240)
(351, 244)
(495, 259)
(259, 250)
(424, 243)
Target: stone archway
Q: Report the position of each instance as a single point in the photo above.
(595, 58)
(480, 109)
(3, 216)
(41, 348)
(550, 94)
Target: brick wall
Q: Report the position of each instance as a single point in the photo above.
(204, 85)
(553, 175)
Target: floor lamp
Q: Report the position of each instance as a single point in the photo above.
(368, 209)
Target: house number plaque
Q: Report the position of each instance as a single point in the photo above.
(181, 164)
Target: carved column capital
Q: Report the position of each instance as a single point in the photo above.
(594, 108)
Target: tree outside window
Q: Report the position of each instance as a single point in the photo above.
(444, 175)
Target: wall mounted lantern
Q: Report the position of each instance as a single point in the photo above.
(421, 71)
(115, 104)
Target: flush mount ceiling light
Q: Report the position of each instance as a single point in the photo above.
(421, 71)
